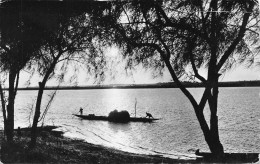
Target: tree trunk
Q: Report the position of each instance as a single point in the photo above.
(214, 141)
(211, 135)
(3, 106)
(36, 115)
(39, 101)
(10, 108)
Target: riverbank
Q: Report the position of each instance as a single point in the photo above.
(52, 147)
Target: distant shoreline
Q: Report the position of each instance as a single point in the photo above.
(140, 86)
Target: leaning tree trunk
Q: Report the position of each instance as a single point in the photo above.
(10, 108)
(36, 116)
(39, 101)
(211, 134)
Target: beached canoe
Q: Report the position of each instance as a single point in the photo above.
(228, 157)
(105, 118)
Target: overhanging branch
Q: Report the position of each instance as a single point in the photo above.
(167, 62)
(240, 35)
(180, 25)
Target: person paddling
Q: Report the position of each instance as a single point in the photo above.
(81, 111)
(149, 115)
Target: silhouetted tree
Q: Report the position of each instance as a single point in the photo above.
(184, 36)
(42, 34)
(19, 43)
(72, 42)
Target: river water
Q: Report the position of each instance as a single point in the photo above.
(177, 134)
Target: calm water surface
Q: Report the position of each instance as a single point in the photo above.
(177, 134)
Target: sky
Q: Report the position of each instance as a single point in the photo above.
(142, 76)
(137, 76)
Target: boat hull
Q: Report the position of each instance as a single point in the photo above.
(105, 118)
(228, 157)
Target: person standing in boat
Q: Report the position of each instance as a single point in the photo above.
(81, 111)
(149, 115)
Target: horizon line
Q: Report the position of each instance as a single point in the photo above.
(188, 84)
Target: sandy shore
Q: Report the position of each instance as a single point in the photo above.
(52, 147)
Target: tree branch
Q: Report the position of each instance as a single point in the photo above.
(126, 14)
(237, 39)
(183, 89)
(167, 62)
(17, 82)
(197, 75)
(181, 25)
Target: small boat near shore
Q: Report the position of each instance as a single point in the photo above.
(118, 116)
(227, 157)
(106, 118)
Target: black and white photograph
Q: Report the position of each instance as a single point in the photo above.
(129, 81)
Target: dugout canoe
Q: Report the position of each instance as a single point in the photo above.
(105, 118)
(227, 157)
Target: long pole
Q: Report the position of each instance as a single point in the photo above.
(135, 106)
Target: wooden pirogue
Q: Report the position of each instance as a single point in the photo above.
(227, 157)
(106, 118)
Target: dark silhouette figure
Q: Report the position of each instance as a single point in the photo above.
(149, 115)
(81, 111)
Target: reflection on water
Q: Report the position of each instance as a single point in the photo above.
(119, 127)
(177, 133)
(112, 99)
